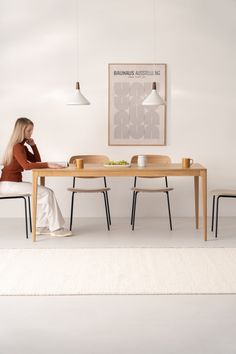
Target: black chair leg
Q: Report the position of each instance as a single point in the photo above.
(72, 209)
(30, 219)
(217, 213)
(106, 210)
(213, 212)
(134, 209)
(108, 207)
(26, 214)
(168, 203)
(26, 217)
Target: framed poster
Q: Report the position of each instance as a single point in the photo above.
(131, 123)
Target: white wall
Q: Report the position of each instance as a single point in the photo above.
(196, 38)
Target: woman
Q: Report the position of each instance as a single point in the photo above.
(17, 159)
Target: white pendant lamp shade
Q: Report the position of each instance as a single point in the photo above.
(153, 99)
(78, 98)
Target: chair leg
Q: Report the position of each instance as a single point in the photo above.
(134, 209)
(26, 217)
(217, 208)
(30, 219)
(168, 203)
(131, 219)
(106, 210)
(72, 209)
(108, 207)
(213, 212)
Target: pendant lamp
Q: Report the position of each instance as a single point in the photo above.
(154, 98)
(78, 98)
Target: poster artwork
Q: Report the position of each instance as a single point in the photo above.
(131, 123)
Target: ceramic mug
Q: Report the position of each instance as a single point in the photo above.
(142, 161)
(79, 163)
(186, 162)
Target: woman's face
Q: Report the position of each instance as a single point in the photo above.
(28, 131)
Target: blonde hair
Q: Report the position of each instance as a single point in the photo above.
(17, 136)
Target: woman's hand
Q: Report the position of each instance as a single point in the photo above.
(30, 142)
(54, 165)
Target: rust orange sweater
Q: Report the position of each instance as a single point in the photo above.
(22, 160)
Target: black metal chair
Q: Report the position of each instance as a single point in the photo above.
(25, 197)
(90, 159)
(217, 194)
(150, 159)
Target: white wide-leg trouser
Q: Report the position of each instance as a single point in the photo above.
(48, 212)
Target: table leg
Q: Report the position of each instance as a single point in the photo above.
(204, 202)
(196, 195)
(34, 205)
(42, 181)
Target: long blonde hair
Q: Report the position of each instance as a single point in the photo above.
(17, 136)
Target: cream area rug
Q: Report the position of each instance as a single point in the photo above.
(117, 271)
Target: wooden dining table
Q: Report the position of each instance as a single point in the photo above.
(153, 170)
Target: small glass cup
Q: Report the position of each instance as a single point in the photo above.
(142, 161)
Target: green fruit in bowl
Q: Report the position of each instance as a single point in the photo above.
(121, 162)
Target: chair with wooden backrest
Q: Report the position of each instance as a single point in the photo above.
(150, 159)
(91, 159)
(217, 194)
(25, 197)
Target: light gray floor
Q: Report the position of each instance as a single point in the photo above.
(119, 324)
(149, 232)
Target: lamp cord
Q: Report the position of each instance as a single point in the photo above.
(77, 41)
(154, 31)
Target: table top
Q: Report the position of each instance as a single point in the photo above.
(96, 170)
